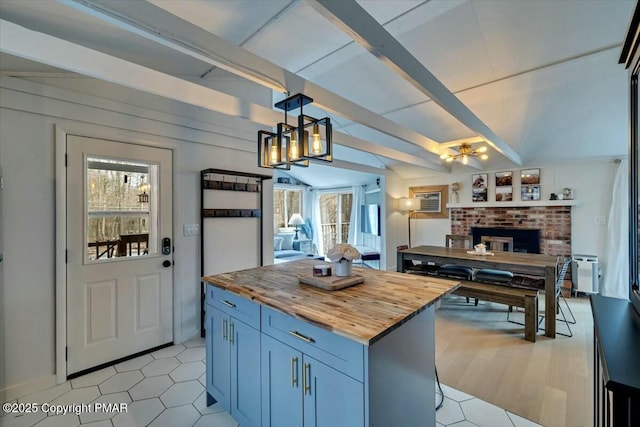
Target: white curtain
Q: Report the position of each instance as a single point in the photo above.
(354, 221)
(616, 272)
(316, 222)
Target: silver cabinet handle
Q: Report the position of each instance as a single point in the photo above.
(294, 371)
(301, 337)
(228, 304)
(224, 330)
(306, 381)
(231, 334)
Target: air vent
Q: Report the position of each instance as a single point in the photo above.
(429, 202)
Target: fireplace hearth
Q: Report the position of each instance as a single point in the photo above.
(524, 239)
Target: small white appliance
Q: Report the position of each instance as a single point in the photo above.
(585, 274)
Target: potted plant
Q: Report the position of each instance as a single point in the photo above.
(343, 255)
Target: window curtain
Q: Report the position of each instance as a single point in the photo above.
(354, 220)
(316, 221)
(307, 213)
(616, 272)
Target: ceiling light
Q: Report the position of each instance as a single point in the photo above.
(291, 145)
(464, 152)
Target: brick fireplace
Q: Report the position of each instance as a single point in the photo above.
(554, 223)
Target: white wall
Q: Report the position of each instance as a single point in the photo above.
(28, 113)
(395, 225)
(592, 182)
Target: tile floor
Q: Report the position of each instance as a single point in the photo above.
(166, 388)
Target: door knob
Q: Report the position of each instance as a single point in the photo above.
(166, 263)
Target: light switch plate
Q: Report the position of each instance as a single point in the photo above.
(191, 229)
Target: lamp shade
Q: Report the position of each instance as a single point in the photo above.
(296, 219)
(409, 204)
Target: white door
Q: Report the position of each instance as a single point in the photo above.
(119, 259)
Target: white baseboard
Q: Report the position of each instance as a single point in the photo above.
(24, 389)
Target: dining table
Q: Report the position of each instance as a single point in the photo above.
(530, 264)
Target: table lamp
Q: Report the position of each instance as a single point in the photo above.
(296, 220)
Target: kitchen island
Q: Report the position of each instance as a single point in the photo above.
(281, 353)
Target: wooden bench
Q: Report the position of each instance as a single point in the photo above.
(518, 297)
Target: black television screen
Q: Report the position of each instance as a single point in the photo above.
(370, 219)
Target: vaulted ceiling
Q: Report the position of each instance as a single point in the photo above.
(537, 80)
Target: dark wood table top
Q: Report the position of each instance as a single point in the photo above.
(513, 258)
(363, 313)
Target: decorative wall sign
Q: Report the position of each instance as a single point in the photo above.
(479, 185)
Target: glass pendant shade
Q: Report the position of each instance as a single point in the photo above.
(296, 144)
(319, 145)
(270, 151)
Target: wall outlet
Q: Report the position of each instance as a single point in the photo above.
(600, 220)
(191, 229)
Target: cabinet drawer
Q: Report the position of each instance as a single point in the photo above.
(234, 305)
(338, 352)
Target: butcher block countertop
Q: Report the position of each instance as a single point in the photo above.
(363, 313)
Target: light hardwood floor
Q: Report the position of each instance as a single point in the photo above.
(549, 382)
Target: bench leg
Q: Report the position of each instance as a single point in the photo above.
(530, 318)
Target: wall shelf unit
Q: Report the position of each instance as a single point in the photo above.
(521, 204)
(246, 205)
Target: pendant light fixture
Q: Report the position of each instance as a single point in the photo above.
(291, 145)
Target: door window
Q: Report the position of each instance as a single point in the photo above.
(121, 209)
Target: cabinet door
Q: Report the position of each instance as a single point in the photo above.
(281, 384)
(331, 398)
(219, 367)
(208, 326)
(245, 373)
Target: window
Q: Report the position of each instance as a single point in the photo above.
(335, 218)
(119, 214)
(286, 202)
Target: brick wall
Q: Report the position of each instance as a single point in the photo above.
(554, 223)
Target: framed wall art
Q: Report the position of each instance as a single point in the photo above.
(504, 194)
(530, 192)
(504, 179)
(479, 185)
(530, 177)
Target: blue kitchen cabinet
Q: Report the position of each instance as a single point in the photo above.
(245, 374)
(233, 355)
(325, 396)
(299, 388)
(218, 356)
(281, 384)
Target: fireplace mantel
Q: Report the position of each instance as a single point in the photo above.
(522, 204)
